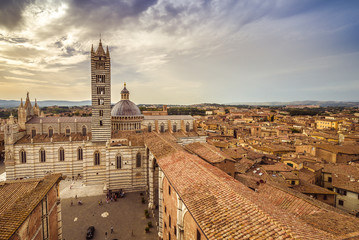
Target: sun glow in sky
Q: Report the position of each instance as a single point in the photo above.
(183, 51)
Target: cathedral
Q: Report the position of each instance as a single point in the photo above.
(107, 148)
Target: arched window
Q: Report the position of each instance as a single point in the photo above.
(61, 154)
(84, 131)
(162, 128)
(187, 127)
(23, 156)
(80, 154)
(97, 158)
(101, 101)
(174, 128)
(42, 154)
(51, 131)
(33, 132)
(118, 162)
(138, 160)
(68, 131)
(149, 128)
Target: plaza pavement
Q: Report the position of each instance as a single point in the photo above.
(126, 215)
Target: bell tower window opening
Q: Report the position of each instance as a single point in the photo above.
(100, 78)
(101, 101)
(101, 90)
(101, 124)
(100, 65)
(100, 113)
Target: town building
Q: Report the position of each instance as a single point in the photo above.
(31, 209)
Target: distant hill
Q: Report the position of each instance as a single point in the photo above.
(47, 103)
(307, 102)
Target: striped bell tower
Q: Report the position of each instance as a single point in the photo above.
(101, 94)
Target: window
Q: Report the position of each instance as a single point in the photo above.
(61, 154)
(23, 156)
(101, 101)
(97, 158)
(100, 113)
(101, 90)
(169, 190)
(165, 209)
(187, 127)
(42, 155)
(342, 192)
(33, 132)
(118, 162)
(169, 236)
(329, 179)
(169, 221)
(149, 128)
(162, 128)
(175, 230)
(292, 182)
(100, 78)
(174, 128)
(68, 131)
(84, 131)
(80, 154)
(198, 235)
(341, 202)
(101, 124)
(138, 160)
(51, 131)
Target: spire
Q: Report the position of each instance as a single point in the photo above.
(27, 102)
(35, 102)
(21, 105)
(107, 52)
(92, 49)
(100, 50)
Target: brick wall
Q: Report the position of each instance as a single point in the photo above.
(169, 210)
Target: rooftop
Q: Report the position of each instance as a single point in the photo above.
(19, 198)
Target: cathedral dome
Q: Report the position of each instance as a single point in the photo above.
(125, 108)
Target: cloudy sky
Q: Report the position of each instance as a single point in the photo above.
(183, 51)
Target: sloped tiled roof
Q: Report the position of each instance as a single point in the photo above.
(223, 207)
(36, 120)
(207, 152)
(24, 196)
(41, 138)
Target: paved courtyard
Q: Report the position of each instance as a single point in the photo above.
(126, 215)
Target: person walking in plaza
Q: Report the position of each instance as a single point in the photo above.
(111, 229)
